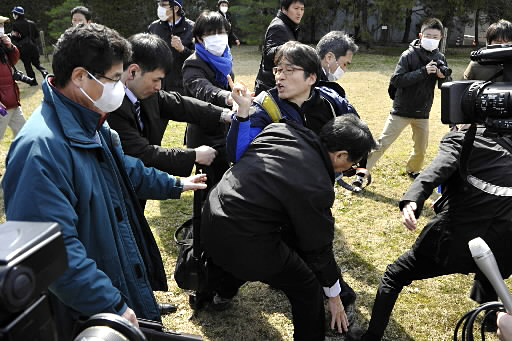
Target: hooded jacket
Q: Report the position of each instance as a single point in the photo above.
(61, 168)
(415, 88)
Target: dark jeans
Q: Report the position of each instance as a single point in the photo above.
(409, 267)
(302, 288)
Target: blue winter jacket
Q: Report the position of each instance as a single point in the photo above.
(60, 168)
(326, 101)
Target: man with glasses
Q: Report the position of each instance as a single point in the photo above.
(176, 31)
(67, 166)
(415, 78)
(294, 98)
(269, 218)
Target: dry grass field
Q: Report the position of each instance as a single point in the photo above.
(369, 234)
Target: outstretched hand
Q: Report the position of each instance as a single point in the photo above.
(194, 182)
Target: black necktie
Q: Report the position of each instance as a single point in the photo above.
(139, 117)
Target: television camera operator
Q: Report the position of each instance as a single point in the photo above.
(474, 167)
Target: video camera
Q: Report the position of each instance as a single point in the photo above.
(484, 102)
(33, 255)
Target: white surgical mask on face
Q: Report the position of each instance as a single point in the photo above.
(333, 77)
(216, 44)
(111, 98)
(223, 9)
(2, 30)
(429, 44)
(162, 13)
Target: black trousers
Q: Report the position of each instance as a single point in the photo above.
(409, 267)
(303, 290)
(30, 56)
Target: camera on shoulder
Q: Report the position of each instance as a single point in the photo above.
(483, 102)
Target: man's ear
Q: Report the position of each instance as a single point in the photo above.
(132, 69)
(330, 57)
(79, 76)
(311, 79)
(420, 35)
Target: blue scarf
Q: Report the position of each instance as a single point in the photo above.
(222, 65)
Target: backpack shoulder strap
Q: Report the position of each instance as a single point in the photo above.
(267, 102)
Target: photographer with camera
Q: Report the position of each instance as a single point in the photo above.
(67, 166)
(420, 67)
(10, 107)
(25, 35)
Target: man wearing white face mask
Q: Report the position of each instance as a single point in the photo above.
(67, 166)
(335, 50)
(415, 78)
(176, 30)
(223, 6)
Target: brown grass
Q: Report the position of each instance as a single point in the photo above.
(369, 234)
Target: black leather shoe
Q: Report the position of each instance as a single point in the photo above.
(166, 308)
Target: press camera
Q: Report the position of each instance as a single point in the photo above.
(33, 255)
(484, 102)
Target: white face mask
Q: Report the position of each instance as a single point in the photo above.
(111, 98)
(429, 44)
(333, 77)
(216, 44)
(224, 9)
(2, 30)
(162, 13)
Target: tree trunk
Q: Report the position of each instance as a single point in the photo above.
(313, 29)
(408, 19)
(477, 20)
(364, 23)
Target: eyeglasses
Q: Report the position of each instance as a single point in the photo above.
(352, 170)
(287, 71)
(108, 78)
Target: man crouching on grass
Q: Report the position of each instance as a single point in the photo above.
(269, 218)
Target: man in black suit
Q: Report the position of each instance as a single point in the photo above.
(142, 118)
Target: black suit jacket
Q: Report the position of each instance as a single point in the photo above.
(156, 112)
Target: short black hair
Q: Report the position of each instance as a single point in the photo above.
(210, 22)
(94, 47)
(336, 42)
(150, 52)
(301, 55)
(285, 4)
(432, 23)
(348, 132)
(82, 10)
(501, 30)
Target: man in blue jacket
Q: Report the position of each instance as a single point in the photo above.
(297, 96)
(67, 166)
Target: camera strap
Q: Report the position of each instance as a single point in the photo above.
(465, 154)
